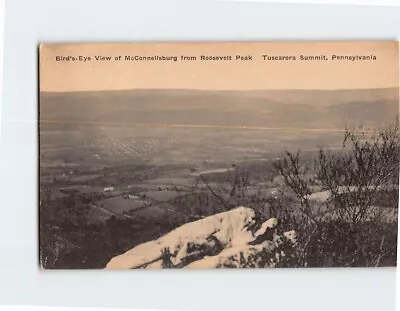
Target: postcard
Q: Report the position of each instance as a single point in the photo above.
(203, 155)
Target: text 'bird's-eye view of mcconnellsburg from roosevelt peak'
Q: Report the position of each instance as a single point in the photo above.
(209, 179)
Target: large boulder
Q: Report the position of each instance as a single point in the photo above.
(236, 238)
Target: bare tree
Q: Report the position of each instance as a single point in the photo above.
(367, 166)
(360, 179)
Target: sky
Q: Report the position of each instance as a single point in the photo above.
(255, 74)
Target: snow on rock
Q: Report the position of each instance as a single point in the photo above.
(230, 239)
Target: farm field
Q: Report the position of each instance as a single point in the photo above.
(123, 183)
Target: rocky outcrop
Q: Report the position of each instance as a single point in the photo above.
(235, 239)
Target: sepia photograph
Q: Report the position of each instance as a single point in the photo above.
(201, 155)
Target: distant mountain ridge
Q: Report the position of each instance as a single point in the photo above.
(290, 95)
(317, 108)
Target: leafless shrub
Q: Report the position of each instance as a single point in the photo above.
(358, 177)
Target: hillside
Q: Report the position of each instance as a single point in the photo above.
(275, 108)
